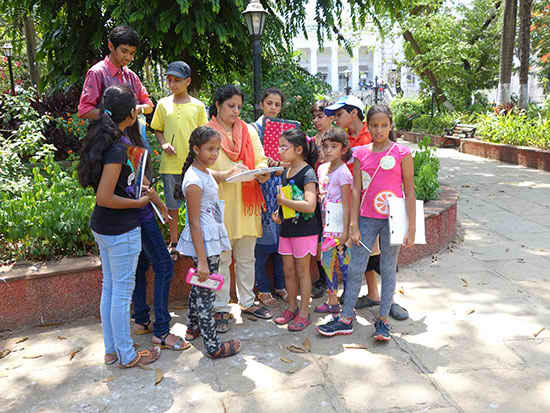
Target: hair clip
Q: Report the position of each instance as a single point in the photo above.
(108, 112)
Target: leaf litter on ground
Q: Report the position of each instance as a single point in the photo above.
(21, 340)
(158, 376)
(538, 332)
(74, 352)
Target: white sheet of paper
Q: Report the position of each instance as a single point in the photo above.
(399, 221)
(249, 175)
(334, 217)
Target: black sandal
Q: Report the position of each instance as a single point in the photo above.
(147, 328)
(224, 352)
(180, 344)
(259, 312)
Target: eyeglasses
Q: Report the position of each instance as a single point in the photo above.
(283, 148)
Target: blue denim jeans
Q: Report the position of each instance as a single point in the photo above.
(370, 228)
(262, 253)
(119, 257)
(153, 252)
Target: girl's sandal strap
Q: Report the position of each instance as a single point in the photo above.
(147, 328)
(267, 299)
(190, 335)
(180, 344)
(110, 358)
(223, 351)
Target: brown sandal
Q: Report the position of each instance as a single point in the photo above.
(143, 358)
(190, 334)
(267, 299)
(110, 358)
(282, 294)
(227, 349)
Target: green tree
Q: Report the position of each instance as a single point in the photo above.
(458, 46)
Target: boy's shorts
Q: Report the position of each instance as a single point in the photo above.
(170, 182)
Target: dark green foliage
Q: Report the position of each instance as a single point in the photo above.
(426, 170)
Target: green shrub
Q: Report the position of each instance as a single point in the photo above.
(515, 129)
(404, 108)
(48, 218)
(440, 122)
(426, 170)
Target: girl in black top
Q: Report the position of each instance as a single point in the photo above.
(115, 221)
(299, 234)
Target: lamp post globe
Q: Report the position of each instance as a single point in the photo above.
(255, 20)
(7, 50)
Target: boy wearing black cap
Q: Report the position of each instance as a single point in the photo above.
(176, 116)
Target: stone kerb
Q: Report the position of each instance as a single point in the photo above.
(54, 292)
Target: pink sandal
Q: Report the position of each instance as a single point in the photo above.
(286, 316)
(299, 323)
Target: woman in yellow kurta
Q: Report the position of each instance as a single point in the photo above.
(243, 202)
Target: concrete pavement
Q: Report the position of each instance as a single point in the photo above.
(474, 342)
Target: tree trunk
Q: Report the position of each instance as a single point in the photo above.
(524, 50)
(30, 40)
(428, 74)
(507, 51)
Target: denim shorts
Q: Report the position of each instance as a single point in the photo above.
(170, 182)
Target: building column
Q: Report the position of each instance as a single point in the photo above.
(334, 66)
(313, 61)
(376, 64)
(355, 69)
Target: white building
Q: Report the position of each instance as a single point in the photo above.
(372, 60)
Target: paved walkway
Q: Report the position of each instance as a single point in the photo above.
(469, 346)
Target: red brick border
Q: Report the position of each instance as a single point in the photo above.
(49, 293)
(518, 155)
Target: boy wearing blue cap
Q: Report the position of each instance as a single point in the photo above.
(176, 116)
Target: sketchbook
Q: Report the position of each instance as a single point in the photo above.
(399, 221)
(137, 161)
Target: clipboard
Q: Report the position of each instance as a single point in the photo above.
(399, 221)
(287, 212)
(250, 175)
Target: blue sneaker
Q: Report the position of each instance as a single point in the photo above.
(336, 327)
(382, 332)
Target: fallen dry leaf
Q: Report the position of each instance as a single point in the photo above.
(356, 346)
(108, 379)
(286, 360)
(307, 345)
(538, 332)
(252, 318)
(14, 367)
(61, 338)
(74, 352)
(21, 340)
(35, 356)
(465, 282)
(471, 311)
(402, 291)
(158, 376)
(296, 349)
(4, 353)
(291, 371)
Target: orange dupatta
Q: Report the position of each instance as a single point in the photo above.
(240, 149)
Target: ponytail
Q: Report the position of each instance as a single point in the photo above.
(178, 190)
(297, 137)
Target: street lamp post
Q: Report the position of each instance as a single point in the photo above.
(255, 20)
(7, 50)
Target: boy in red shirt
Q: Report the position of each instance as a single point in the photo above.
(113, 70)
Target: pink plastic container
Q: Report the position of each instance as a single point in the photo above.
(214, 282)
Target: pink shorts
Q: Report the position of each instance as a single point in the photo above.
(299, 247)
